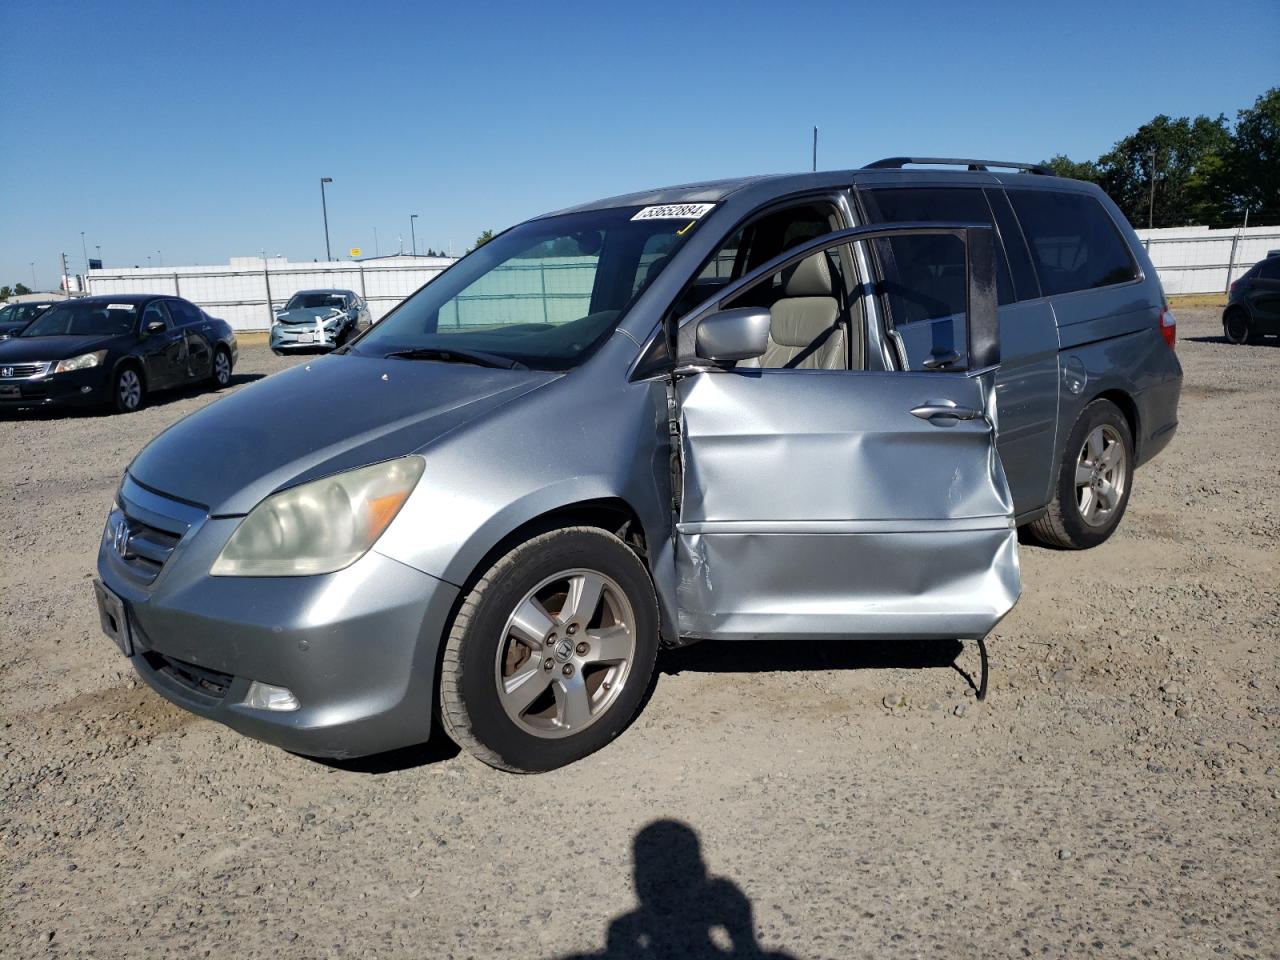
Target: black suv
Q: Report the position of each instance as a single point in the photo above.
(1253, 308)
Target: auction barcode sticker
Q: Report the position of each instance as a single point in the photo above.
(120, 306)
(674, 211)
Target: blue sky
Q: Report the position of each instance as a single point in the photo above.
(193, 132)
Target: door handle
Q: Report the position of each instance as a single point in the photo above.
(937, 361)
(945, 408)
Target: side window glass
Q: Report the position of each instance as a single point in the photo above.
(1073, 242)
(1014, 245)
(1269, 270)
(929, 205)
(154, 312)
(923, 278)
(182, 312)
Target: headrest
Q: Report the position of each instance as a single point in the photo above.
(811, 277)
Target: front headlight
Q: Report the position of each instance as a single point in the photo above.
(321, 526)
(82, 362)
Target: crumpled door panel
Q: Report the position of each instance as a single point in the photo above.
(816, 504)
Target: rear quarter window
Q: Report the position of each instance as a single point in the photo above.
(1074, 244)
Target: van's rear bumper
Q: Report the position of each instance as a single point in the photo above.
(1157, 417)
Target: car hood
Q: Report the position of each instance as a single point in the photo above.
(308, 314)
(332, 414)
(28, 349)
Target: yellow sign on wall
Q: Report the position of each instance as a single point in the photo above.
(355, 251)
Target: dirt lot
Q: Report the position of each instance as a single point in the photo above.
(1117, 795)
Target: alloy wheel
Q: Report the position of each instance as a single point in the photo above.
(129, 387)
(221, 368)
(1101, 475)
(565, 654)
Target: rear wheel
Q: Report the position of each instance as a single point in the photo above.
(127, 390)
(551, 652)
(220, 375)
(1236, 326)
(1093, 482)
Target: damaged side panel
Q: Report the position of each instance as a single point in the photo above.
(816, 504)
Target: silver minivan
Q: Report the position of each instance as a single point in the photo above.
(750, 409)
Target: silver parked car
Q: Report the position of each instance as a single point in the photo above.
(760, 408)
(317, 321)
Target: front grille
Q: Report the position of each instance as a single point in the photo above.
(22, 371)
(142, 547)
(198, 680)
(145, 528)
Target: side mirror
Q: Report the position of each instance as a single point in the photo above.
(731, 335)
(154, 326)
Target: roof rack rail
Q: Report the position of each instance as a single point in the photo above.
(896, 163)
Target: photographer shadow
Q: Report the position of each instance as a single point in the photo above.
(684, 912)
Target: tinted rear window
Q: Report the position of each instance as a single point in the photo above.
(935, 267)
(1268, 270)
(1074, 243)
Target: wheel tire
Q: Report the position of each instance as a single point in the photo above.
(1236, 327)
(482, 646)
(128, 390)
(220, 370)
(1065, 524)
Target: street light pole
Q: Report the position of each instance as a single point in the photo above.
(34, 287)
(412, 234)
(324, 208)
(85, 251)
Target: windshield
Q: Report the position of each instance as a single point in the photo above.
(542, 294)
(313, 301)
(81, 319)
(21, 312)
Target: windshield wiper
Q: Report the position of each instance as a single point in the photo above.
(453, 355)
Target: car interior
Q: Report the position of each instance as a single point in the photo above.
(816, 314)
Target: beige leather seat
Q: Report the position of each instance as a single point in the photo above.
(806, 331)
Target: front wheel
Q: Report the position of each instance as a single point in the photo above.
(551, 652)
(127, 390)
(1092, 488)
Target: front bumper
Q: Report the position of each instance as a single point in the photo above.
(78, 388)
(287, 338)
(357, 647)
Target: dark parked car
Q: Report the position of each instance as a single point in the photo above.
(16, 317)
(114, 349)
(1253, 308)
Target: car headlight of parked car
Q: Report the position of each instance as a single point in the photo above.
(321, 526)
(82, 362)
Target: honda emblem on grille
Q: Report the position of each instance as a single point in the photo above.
(121, 539)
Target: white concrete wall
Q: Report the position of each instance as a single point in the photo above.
(238, 291)
(1198, 260)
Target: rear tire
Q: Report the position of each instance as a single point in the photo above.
(526, 687)
(1093, 483)
(220, 372)
(128, 391)
(1237, 327)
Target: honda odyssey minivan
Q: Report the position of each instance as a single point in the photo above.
(786, 407)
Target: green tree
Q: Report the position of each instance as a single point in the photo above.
(1064, 166)
(1249, 176)
(482, 239)
(1183, 155)
(5, 292)
(21, 289)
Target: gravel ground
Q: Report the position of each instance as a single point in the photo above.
(1116, 795)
